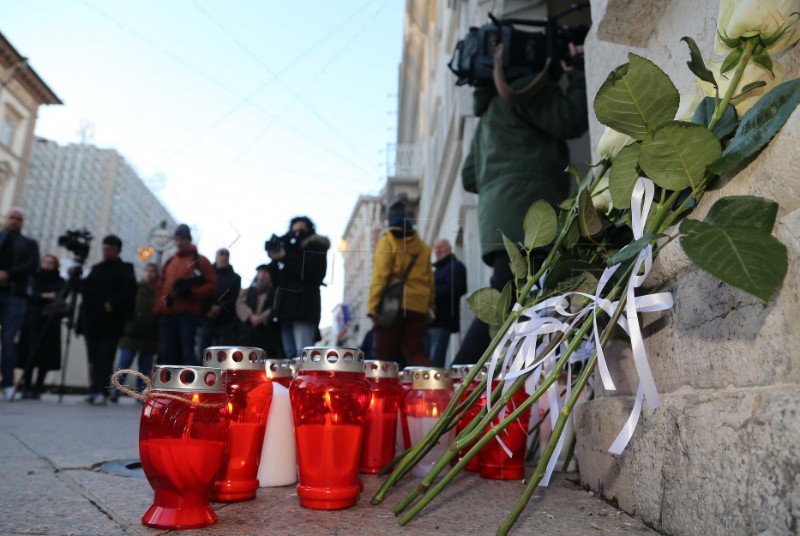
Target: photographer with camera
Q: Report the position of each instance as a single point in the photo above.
(187, 280)
(518, 156)
(302, 260)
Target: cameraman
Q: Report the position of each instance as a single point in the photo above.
(187, 280)
(302, 261)
(518, 156)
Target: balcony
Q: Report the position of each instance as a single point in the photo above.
(404, 160)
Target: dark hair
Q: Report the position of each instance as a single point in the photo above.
(154, 265)
(113, 240)
(304, 219)
(58, 263)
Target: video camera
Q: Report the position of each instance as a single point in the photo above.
(524, 53)
(275, 243)
(77, 242)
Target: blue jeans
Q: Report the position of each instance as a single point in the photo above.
(126, 357)
(295, 336)
(12, 313)
(438, 342)
(176, 335)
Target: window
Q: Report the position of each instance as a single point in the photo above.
(10, 122)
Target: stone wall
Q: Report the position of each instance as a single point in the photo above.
(722, 453)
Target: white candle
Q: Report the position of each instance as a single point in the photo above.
(418, 427)
(278, 465)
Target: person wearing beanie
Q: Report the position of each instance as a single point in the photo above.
(187, 280)
(401, 251)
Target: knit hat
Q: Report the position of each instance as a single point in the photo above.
(183, 231)
(396, 211)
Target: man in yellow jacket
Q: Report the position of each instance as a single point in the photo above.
(397, 247)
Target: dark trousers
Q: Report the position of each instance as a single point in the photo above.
(214, 336)
(409, 331)
(176, 335)
(101, 354)
(12, 312)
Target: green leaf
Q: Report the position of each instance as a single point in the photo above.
(631, 250)
(745, 211)
(727, 123)
(749, 259)
(540, 225)
(588, 220)
(505, 301)
(518, 265)
(761, 57)
(729, 42)
(566, 270)
(624, 173)
(572, 236)
(748, 88)
(636, 98)
(759, 125)
(696, 63)
(732, 59)
(483, 303)
(676, 155)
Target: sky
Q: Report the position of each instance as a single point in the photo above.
(239, 114)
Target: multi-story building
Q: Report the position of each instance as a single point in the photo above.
(22, 91)
(82, 186)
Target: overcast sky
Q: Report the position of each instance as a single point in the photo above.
(239, 114)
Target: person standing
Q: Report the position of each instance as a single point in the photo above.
(450, 278)
(254, 309)
(219, 310)
(109, 292)
(19, 258)
(140, 337)
(400, 251)
(187, 280)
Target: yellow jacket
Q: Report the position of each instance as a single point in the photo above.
(393, 252)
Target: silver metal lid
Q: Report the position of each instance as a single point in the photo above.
(278, 368)
(294, 365)
(460, 372)
(188, 379)
(332, 359)
(234, 357)
(407, 376)
(431, 378)
(381, 369)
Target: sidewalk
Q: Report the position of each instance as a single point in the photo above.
(51, 483)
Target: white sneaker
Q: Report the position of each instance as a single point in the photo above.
(9, 393)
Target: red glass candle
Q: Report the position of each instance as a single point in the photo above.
(182, 444)
(330, 397)
(249, 397)
(461, 372)
(403, 435)
(279, 371)
(380, 428)
(431, 392)
(495, 463)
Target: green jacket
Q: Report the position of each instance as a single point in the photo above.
(519, 155)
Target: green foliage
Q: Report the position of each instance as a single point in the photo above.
(484, 304)
(566, 270)
(732, 59)
(624, 174)
(518, 265)
(676, 155)
(696, 63)
(588, 220)
(761, 57)
(540, 225)
(631, 250)
(743, 211)
(505, 301)
(759, 125)
(748, 88)
(636, 98)
(729, 120)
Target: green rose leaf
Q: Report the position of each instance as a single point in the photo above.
(588, 220)
(505, 301)
(636, 98)
(732, 59)
(676, 155)
(759, 125)
(631, 250)
(518, 264)
(761, 57)
(540, 225)
(572, 236)
(696, 63)
(727, 123)
(566, 270)
(749, 259)
(624, 173)
(748, 88)
(484, 303)
(743, 211)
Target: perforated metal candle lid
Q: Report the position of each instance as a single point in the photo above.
(460, 372)
(431, 378)
(188, 379)
(332, 359)
(381, 369)
(407, 376)
(278, 368)
(234, 357)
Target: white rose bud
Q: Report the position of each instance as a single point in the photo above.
(752, 73)
(602, 201)
(764, 18)
(612, 142)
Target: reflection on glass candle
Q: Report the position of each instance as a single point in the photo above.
(462, 371)
(495, 463)
(430, 394)
(381, 425)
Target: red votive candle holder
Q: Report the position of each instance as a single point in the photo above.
(431, 392)
(461, 372)
(380, 427)
(330, 397)
(249, 397)
(279, 371)
(495, 463)
(183, 434)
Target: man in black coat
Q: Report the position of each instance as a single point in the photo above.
(19, 259)
(219, 311)
(450, 280)
(109, 294)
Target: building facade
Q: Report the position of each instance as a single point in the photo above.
(22, 91)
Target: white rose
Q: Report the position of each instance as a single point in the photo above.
(612, 142)
(602, 201)
(764, 18)
(752, 73)
(688, 105)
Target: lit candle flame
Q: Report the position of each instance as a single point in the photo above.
(435, 412)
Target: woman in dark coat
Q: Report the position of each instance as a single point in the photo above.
(41, 334)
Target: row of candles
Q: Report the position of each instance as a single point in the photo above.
(218, 432)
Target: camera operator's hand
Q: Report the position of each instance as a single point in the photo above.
(576, 59)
